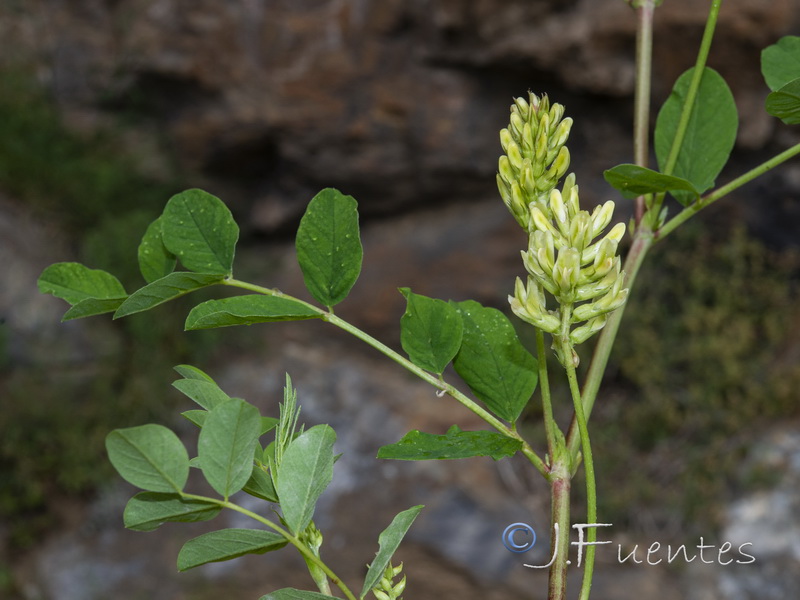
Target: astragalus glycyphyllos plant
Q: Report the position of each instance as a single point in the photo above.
(574, 286)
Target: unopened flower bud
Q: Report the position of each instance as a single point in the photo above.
(522, 106)
(506, 170)
(514, 155)
(601, 217)
(584, 332)
(505, 139)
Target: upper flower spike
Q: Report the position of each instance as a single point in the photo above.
(535, 156)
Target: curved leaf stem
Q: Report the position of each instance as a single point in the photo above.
(294, 541)
(726, 189)
(434, 380)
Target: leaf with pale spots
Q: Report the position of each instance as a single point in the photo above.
(417, 445)
(329, 247)
(493, 362)
(155, 261)
(199, 229)
(430, 331)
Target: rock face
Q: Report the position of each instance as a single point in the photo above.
(396, 102)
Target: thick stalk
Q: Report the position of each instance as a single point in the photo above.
(559, 494)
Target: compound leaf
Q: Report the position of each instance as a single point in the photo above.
(493, 362)
(150, 457)
(329, 246)
(417, 445)
(199, 229)
(227, 544)
(430, 331)
(147, 511)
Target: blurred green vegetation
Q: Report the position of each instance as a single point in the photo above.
(56, 411)
(705, 359)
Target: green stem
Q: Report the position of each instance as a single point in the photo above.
(293, 540)
(688, 104)
(591, 486)
(410, 366)
(642, 241)
(696, 207)
(641, 110)
(694, 86)
(550, 426)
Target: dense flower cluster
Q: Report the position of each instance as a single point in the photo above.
(567, 255)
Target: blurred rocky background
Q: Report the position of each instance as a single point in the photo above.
(107, 107)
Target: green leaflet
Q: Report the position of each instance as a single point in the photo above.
(785, 103)
(225, 446)
(430, 331)
(155, 261)
(206, 394)
(190, 372)
(493, 362)
(780, 63)
(304, 472)
(633, 180)
(227, 544)
(150, 457)
(167, 288)
(199, 229)
(75, 282)
(260, 486)
(147, 511)
(93, 306)
(709, 137)
(388, 541)
(416, 445)
(247, 310)
(329, 246)
(293, 594)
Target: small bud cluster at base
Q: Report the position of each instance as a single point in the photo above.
(386, 589)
